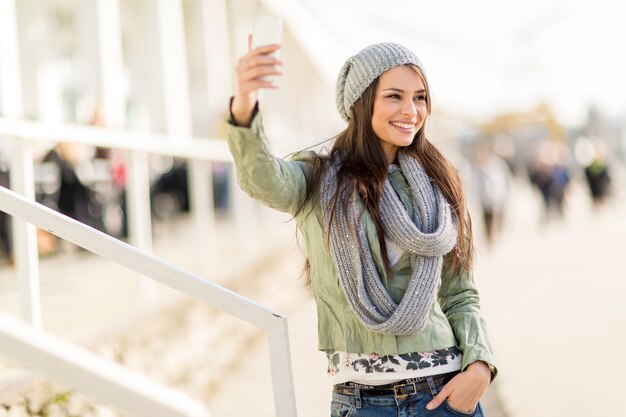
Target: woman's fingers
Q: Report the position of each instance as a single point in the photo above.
(255, 66)
(258, 67)
(258, 56)
(259, 51)
(255, 78)
(264, 50)
(260, 71)
(263, 60)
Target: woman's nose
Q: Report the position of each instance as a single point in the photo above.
(409, 108)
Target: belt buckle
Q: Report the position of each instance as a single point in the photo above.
(403, 397)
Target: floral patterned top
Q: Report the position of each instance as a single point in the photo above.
(372, 369)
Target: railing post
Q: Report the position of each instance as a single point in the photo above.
(138, 201)
(282, 373)
(138, 210)
(203, 209)
(22, 181)
(25, 235)
(100, 51)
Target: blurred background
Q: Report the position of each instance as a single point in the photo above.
(529, 102)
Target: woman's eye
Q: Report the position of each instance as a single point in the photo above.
(418, 98)
(394, 96)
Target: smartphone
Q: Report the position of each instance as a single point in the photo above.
(268, 30)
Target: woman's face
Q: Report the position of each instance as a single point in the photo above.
(399, 109)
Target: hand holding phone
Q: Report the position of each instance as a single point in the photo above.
(257, 69)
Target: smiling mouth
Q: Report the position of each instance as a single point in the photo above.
(404, 126)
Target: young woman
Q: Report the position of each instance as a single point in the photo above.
(388, 239)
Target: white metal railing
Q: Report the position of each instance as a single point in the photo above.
(199, 148)
(86, 371)
(200, 152)
(124, 254)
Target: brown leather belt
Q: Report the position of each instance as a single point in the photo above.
(401, 389)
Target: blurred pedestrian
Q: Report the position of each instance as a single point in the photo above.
(598, 180)
(388, 237)
(72, 197)
(597, 171)
(550, 174)
(560, 179)
(492, 177)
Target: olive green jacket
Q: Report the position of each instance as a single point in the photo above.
(454, 319)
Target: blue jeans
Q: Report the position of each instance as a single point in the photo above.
(414, 405)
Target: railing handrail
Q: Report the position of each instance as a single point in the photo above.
(199, 148)
(103, 379)
(127, 255)
(174, 277)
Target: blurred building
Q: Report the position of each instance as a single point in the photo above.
(162, 66)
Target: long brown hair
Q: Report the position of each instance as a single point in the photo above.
(364, 168)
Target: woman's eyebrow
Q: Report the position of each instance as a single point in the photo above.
(399, 90)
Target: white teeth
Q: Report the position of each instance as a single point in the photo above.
(402, 125)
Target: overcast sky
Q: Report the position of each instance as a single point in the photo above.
(485, 56)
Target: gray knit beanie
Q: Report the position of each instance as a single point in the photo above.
(363, 68)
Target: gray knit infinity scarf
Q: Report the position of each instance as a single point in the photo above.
(427, 238)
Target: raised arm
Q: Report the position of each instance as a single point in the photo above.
(251, 71)
(277, 183)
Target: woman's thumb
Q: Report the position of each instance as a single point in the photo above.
(439, 398)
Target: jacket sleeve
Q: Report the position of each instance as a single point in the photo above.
(277, 183)
(460, 302)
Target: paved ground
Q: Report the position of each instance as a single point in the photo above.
(554, 300)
